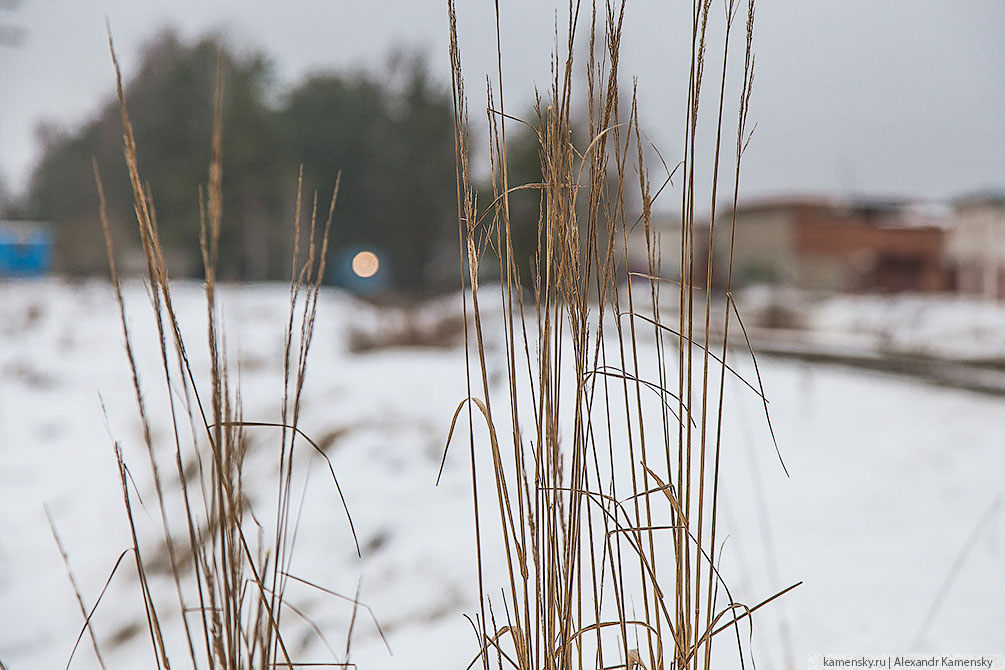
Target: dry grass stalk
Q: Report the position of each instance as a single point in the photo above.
(588, 477)
(229, 589)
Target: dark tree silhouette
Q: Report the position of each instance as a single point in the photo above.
(391, 139)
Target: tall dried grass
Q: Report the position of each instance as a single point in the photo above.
(605, 503)
(605, 437)
(229, 564)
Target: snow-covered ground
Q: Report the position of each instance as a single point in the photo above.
(892, 504)
(947, 326)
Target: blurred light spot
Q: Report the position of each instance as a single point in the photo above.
(365, 264)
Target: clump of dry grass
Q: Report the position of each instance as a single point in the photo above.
(605, 436)
(410, 326)
(229, 564)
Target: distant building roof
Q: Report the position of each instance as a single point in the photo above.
(882, 211)
(782, 202)
(984, 198)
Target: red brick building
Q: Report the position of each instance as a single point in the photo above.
(815, 243)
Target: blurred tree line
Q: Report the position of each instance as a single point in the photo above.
(391, 138)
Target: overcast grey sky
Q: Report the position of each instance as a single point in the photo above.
(899, 97)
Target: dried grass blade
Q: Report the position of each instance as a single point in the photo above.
(318, 449)
(355, 601)
(760, 384)
(76, 588)
(87, 618)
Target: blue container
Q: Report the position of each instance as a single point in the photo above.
(25, 250)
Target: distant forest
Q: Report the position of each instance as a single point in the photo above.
(389, 136)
